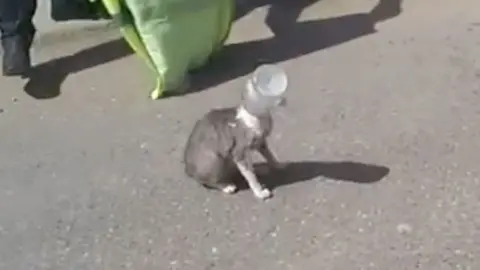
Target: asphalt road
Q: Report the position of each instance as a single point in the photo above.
(381, 133)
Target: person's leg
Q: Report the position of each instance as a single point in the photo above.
(17, 33)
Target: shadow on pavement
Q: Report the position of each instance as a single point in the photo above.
(46, 79)
(295, 172)
(292, 39)
(295, 7)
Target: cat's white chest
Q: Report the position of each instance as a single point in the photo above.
(251, 121)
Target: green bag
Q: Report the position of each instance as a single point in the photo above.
(173, 36)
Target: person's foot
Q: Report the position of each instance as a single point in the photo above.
(16, 57)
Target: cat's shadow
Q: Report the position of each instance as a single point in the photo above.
(295, 172)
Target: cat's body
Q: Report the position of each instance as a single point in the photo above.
(222, 143)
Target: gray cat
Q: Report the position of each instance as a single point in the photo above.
(223, 142)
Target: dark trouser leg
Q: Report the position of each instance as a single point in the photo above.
(17, 32)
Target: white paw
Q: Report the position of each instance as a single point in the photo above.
(230, 189)
(263, 194)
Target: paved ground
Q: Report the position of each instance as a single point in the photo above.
(382, 131)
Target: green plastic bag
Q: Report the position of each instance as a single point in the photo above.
(173, 36)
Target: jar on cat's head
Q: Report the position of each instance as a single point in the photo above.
(265, 89)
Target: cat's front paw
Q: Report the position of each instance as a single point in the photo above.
(263, 194)
(229, 189)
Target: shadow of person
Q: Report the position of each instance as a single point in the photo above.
(296, 172)
(295, 7)
(291, 40)
(45, 80)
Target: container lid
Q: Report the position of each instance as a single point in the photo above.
(270, 80)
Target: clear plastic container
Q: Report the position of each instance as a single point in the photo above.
(265, 89)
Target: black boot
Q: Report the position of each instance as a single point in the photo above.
(17, 32)
(16, 56)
